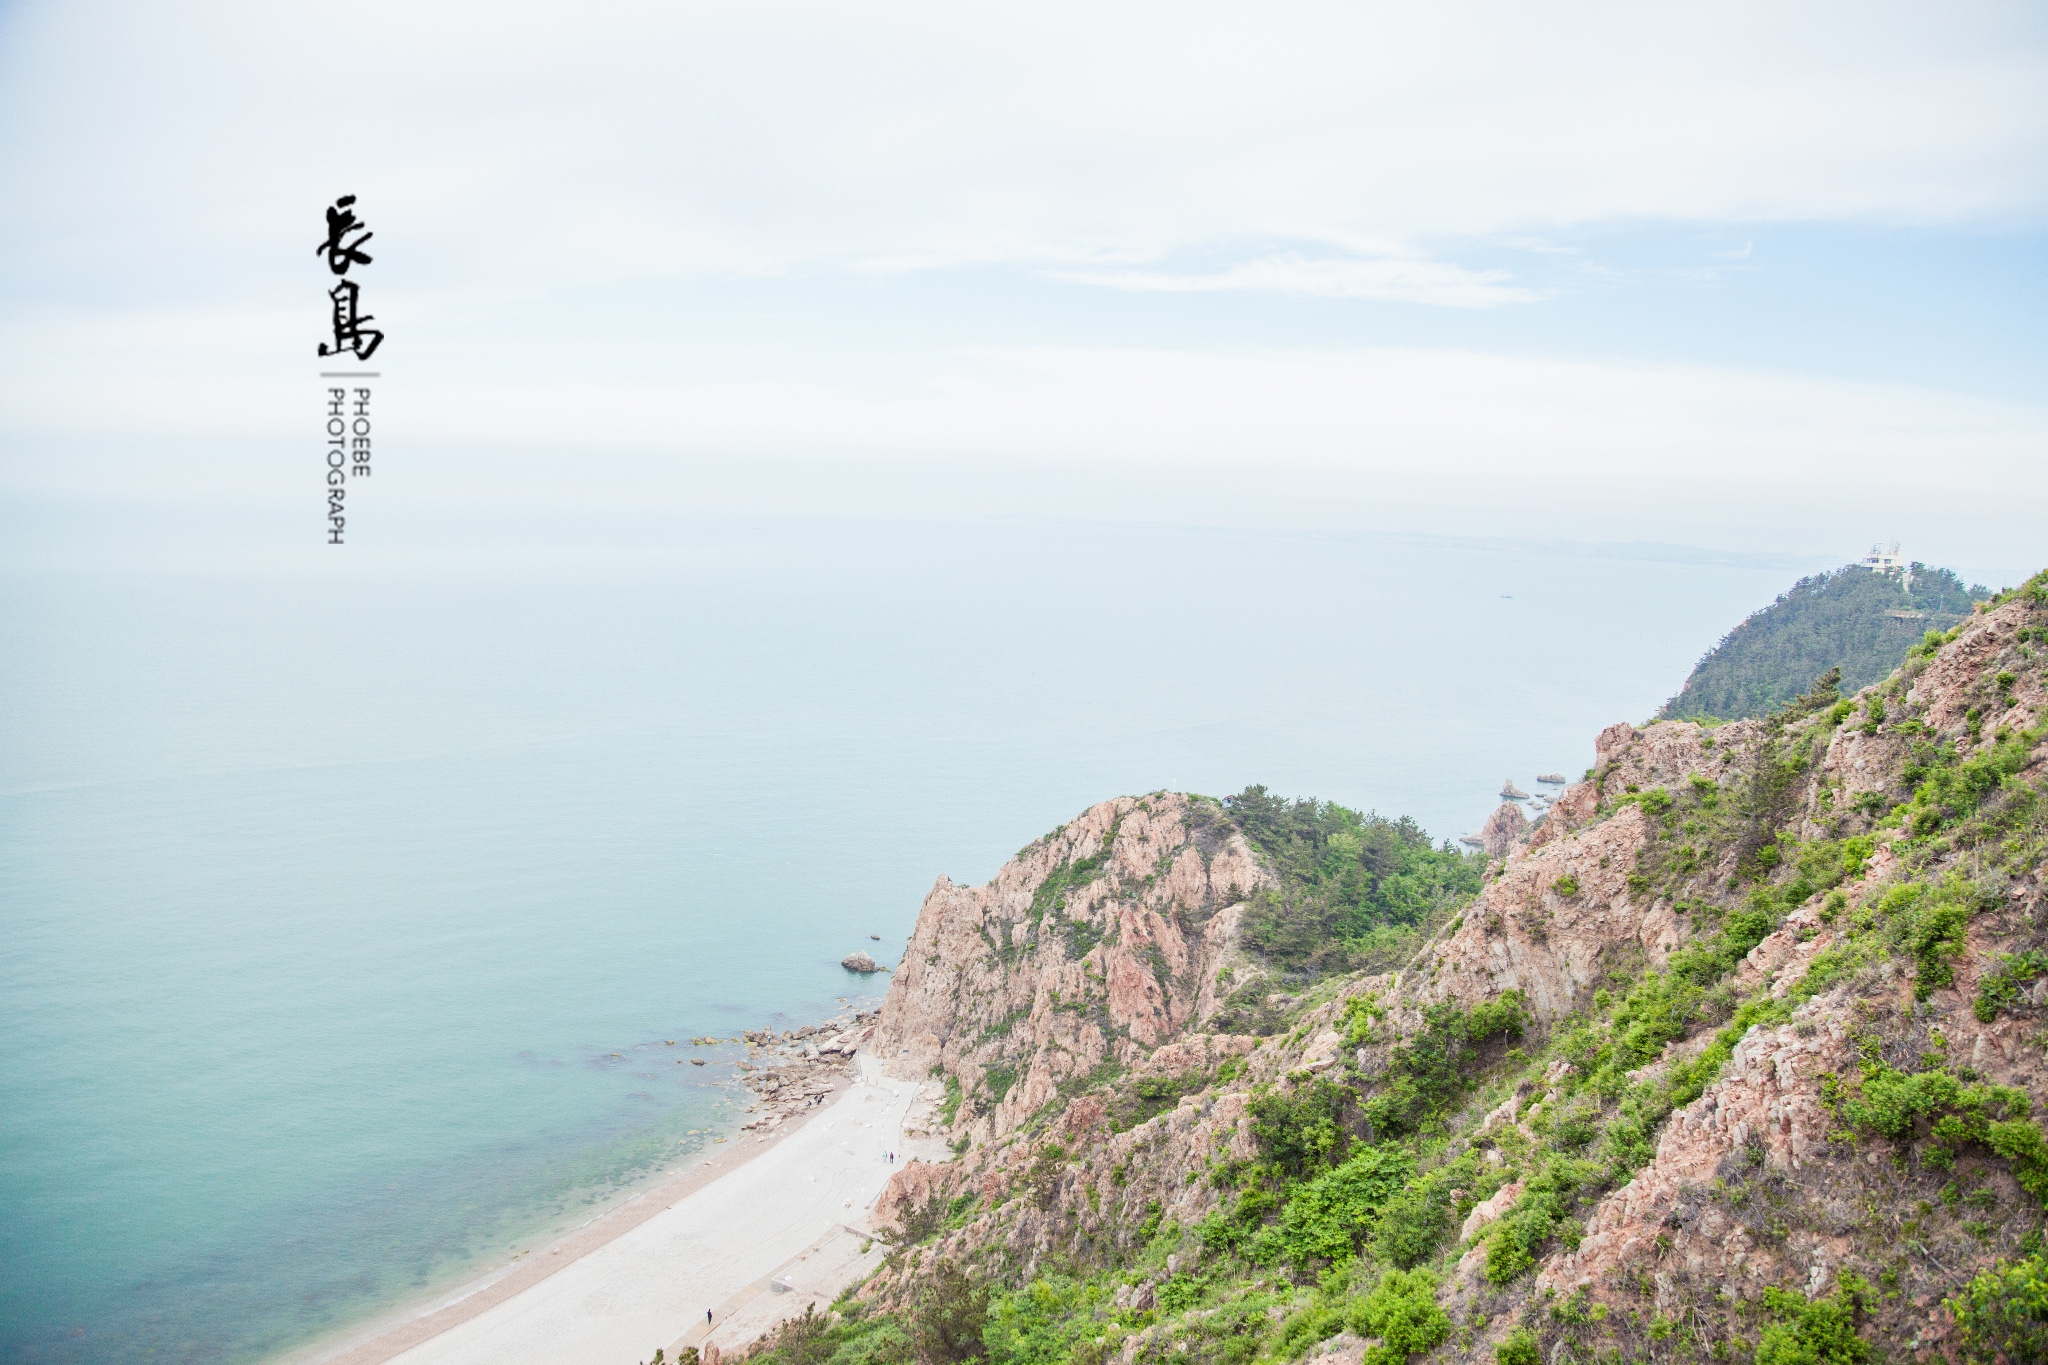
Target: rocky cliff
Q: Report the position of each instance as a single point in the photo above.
(1084, 954)
(1736, 1055)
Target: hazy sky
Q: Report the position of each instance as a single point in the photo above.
(1760, 277)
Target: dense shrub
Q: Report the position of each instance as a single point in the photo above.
(1514, 1244)
(1303, 1130)
(1329, 1217)
(1999, 988)
(1041, 1323)
(1401, 1313)
(1816, 1331)
(1894, 1103)
(1431, 1070)
(1419, 1216)
(2002, 1314)
(1519, 1347)
(945, 1321)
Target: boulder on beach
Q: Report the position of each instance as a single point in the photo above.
(860, 962)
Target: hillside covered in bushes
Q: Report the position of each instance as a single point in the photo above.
(1737, 1055)
(1858, 620)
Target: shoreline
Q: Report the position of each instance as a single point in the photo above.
(663, 1246)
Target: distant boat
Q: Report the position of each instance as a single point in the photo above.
(1554, 779)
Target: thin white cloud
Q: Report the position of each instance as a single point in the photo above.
(656, 140)
(1388, 279)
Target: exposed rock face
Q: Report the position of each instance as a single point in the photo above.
(1507, 824)
(1526, 934)
(860, 962)
(1096, 944)
(1490, 1209)
(907, 1191)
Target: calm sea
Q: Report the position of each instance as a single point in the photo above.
(343, 921)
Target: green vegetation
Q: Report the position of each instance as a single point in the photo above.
(2002, 1314)
(1816, 1331)
(1152, 1095)
(997, 1081)
(1401, 1313)
(1355, 890)
(1950, 1113)
(1049, 901)
(1426, 1074)
(1519, 1348)
(1999, 988)
(1840, 619)
(949, 1319)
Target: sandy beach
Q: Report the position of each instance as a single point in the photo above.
(753, 1235)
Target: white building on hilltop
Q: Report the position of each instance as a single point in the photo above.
(1883, 560)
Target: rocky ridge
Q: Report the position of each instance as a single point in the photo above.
(1678, 1017)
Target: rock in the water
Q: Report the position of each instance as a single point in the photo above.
(1510, 792)
(1554, 779)
(860, 962)
(1502, 828)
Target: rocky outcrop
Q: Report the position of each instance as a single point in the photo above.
(1553, 923)
(908, 1192)
(1502, 828)
(1510, 792)
(795, 1071)
(860, 962)
(1092, 947)
(1490, 1209)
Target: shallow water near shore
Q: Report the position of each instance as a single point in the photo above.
(344, 920)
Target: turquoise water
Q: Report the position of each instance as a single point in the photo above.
(345, 917)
